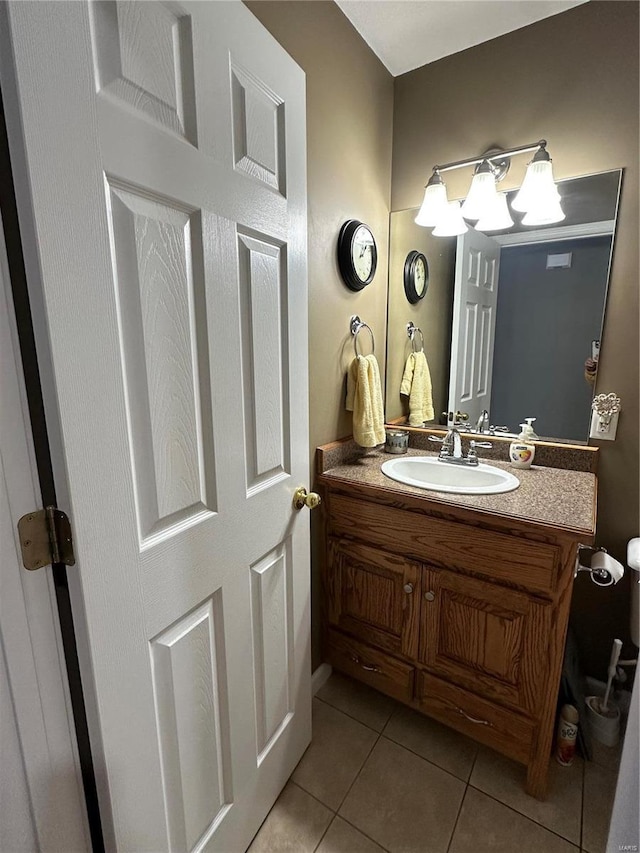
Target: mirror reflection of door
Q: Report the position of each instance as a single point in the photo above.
(474, 322)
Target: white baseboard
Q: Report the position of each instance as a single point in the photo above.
(319, 676)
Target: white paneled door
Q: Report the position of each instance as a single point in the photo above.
(163, 149)
(474, 323)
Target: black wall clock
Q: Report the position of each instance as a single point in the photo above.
(357, 254)
(416, 276)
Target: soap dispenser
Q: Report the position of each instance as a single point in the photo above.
(522, 450)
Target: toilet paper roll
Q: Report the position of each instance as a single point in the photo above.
(605, 571)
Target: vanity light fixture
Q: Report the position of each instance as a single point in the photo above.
(538, 197)
(482, 192)
(435, 201)
(497, 217)
(451, 222)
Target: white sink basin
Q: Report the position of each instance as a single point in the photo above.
(425, 472)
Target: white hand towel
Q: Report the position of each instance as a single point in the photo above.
(416, 384)
(364, 399)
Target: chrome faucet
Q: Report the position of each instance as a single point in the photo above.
(483, 421)
(452, 446)
(451, 450)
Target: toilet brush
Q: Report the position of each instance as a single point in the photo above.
(604, 721)
(613, 663)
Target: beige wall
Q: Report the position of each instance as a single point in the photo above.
(572, 79)
(349, 133)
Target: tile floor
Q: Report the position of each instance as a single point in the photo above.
(379, 777)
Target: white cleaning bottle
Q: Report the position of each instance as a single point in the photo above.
(522, 450)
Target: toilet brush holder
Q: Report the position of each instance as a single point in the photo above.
(604, 726)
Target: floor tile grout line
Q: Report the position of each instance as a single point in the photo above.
(428, 760)
(362, 832)
(351, 717)
(329, 825)
(313, 796)
(532, 819)
(473, 764)
(355, 778)
(455, 824)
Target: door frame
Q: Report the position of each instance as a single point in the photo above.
(47, 460)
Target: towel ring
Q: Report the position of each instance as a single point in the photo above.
(411, 334)
(356, 325)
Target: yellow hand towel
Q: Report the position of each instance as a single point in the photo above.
(416, 384)
(364, 399)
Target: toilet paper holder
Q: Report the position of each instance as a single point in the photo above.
(600, 576)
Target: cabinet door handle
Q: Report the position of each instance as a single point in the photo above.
(366, 666)
(408, 588)
(430, 596)
(473, 719)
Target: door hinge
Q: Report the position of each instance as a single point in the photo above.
(45, 537)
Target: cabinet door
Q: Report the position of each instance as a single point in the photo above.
(487, 638)
(374, 596)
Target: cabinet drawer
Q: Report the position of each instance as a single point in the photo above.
(371, 666)
(497, 556)
(503, 730)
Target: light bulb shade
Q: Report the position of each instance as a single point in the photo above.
(498, 217)
(451, 223)
(433, 206)
(545, 214)
(538, 187)
(482, 195)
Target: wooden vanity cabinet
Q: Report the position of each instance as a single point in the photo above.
(459, 615)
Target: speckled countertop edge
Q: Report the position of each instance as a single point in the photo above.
(550, 496)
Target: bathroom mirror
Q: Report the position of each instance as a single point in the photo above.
(524, 357)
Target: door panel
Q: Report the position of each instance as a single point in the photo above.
(158, 270)
(474, 322)
(273, 660)
(149, 63)
(193, 722)
(174, 294)
(265, 370)
(476, 633)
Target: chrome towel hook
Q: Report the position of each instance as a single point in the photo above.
(411, 334)
(356, 325)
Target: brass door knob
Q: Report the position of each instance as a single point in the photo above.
(301, 497)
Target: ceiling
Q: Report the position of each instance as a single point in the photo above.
(406, 34)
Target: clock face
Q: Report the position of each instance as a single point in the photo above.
(416, 276)
(420, 277)
(362, 252)
(357, 254)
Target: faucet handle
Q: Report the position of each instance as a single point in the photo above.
(436, 438)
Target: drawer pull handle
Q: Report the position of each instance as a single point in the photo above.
(366, 666)
(473, 719)
(430, 596)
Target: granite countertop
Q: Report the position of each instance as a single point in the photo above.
(551, 496)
